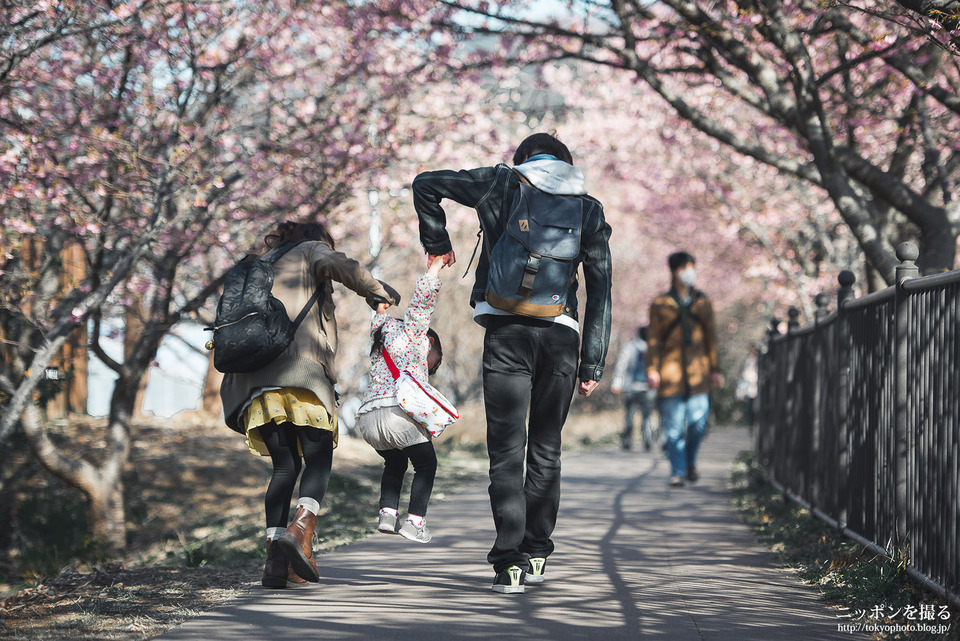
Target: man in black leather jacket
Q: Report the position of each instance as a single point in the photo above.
(528, 363)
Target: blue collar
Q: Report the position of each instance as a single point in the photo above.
(540, 157)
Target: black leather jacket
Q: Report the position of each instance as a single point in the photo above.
(489, 190)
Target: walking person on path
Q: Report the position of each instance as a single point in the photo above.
(287, 409)
(530, 363)
(630, 380)
(682, 365)
(383, 424)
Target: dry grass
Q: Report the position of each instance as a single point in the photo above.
(195, 511)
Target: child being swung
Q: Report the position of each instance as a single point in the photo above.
(382, 423)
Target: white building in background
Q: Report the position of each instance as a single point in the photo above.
(174, 383)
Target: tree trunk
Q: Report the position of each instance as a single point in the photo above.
(938, 247)
(107, 512)
(210, 403)
(133, 329)
(102, 485)
(873, 279)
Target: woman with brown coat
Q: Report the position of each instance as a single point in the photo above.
(287, 409)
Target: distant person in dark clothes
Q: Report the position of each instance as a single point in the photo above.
(630, 380)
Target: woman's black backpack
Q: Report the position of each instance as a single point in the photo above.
(252, 328)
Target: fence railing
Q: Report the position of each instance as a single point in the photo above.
(859, 418)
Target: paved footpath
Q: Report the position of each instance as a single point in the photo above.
(634, 560)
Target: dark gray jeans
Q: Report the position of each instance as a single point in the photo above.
(527, 364)
(643, 401)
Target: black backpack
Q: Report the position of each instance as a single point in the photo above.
(252, 328)
(533, 262)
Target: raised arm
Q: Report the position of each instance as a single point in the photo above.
(416, 319)
(467, 187)
(329, 264)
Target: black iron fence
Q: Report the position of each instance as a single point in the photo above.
(859, 418)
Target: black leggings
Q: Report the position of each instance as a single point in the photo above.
(281, 442)
(424, 460)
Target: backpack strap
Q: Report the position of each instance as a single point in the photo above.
(274, 254)
(303, 312)
(530, 271)
(474, 254)
(522, 178)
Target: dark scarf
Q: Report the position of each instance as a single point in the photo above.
(687, 317)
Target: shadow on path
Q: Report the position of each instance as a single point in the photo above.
(634, 560)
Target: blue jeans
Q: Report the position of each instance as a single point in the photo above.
(684, 421)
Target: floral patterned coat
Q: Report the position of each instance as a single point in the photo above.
(405, 340)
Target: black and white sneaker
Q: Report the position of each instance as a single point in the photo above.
(510, 581)
(535, 573)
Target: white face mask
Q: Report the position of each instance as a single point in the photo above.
(688, 276)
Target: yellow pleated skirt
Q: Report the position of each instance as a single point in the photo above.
(288, 405)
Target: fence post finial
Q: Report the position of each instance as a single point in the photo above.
(846, 280)
(794, 321)
(774, 329)
(822, 301)
(907, 254)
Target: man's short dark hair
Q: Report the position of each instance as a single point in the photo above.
(677, 260)
(542, 144)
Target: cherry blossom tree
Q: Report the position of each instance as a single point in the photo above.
(164, 138)
(941, 13)
(843, 98)
(636, 156)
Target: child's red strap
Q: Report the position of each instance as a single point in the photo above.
(452, 411)
(390, 364)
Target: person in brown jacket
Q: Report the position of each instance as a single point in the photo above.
(682, 365)
(288, 409)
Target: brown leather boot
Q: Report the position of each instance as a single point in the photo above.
(297, 544)
(277, 572)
